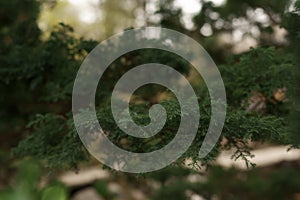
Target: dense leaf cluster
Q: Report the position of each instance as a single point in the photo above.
(37, 79)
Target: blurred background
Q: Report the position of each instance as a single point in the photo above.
(255, 44)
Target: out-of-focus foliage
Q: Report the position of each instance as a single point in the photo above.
(37, 79)
(227, 184)
(291, 23)
(262, 87)
(92, 19)
(26, 186)
(101, 186)
(279, 183)
(223, 28)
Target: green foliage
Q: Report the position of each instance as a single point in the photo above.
(262, 70)
(26, 187)
(231, 184)
(228, 184)
(54, 192)
(176, 191)
(227, 19)
(44, 78)
(291, 22)
(101, 186)
(38, 77)
(60, 143)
